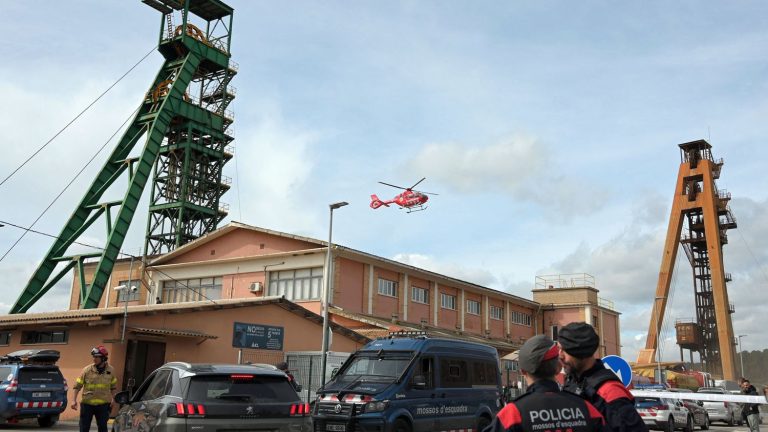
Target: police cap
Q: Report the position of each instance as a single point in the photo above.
(579, 339)
(535, 351)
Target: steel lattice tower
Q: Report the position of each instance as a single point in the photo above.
(185, 126)
(703, 211)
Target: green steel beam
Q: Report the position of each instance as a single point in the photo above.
(186, 59)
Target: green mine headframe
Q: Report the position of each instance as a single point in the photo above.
(186, 129)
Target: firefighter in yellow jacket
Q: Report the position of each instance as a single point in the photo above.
(98, 383)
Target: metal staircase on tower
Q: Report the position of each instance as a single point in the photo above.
(185, 128)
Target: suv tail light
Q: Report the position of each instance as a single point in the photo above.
(13, 386)
(181, 409)
(301, 409)
(66, 386)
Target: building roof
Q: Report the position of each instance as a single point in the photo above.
(374, 327)
(341, 250)
(95, 315)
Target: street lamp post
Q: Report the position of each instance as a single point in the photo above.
(127, 290)
(326, 293)
(741, 354)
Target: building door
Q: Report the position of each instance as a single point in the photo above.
(141, 360)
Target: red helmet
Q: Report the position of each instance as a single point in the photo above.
(100, 351)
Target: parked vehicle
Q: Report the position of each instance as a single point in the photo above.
(412, 384)
(32, 387)
(183, 396)
(699, 416)
(664, 414)
(727, 412)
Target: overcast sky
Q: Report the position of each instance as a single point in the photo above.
(549, 129)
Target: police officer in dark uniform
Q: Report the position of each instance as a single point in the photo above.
(544, 407)
(590, 379)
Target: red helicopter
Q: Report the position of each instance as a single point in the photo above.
(410, 200)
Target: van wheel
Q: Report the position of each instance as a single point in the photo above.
(482, 423)
(47, 421)
(401, 425)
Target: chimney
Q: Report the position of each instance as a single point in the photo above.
(394, 317)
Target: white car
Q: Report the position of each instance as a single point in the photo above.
(727, 412)
(664, 414)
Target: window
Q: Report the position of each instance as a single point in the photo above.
(387, 287)
(43, 337)
(426, 370)
(191, 290)
(447, 301)
(257, 390)
(299, 284)
(127, 294)
(497, 313)
(484, 373)
(473, 307)
(420, 295)
(5, 338)
(454, 373)
(521, 318)
(158, 387)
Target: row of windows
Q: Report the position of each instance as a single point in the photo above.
(447, 301)
(520, 318)
(32, 337)
(191, 290)
(301, 284)
(306, 284)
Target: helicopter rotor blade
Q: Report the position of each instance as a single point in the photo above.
(391, 185)
(417, 183)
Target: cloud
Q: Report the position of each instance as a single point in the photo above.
(626, 269)
(274, 165)
(520, 167)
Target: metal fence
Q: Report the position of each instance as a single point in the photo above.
(303, 365)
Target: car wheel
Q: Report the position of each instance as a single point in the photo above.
(47, 421)
(401, 425)
(689, 424)
(670, 426)
(705, 426)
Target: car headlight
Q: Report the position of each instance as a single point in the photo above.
(376, 406)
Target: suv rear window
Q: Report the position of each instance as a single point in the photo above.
(240, 388)
(647, 402)
(40, 376)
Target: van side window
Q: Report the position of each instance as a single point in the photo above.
(484, 374)
(454, 373)
(426, 369)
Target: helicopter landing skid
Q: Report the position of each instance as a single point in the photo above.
(416, 209)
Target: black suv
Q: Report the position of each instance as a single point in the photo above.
(32, 387)
(183, 396)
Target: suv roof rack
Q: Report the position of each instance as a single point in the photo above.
(417, 334)
(32, 356)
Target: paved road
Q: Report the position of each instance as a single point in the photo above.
(30, 426)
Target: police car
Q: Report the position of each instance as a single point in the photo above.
(32, 387)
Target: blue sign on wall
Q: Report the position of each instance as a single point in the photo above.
(257, 336)
(620, 367)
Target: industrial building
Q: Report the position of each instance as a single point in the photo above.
(189, 303)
